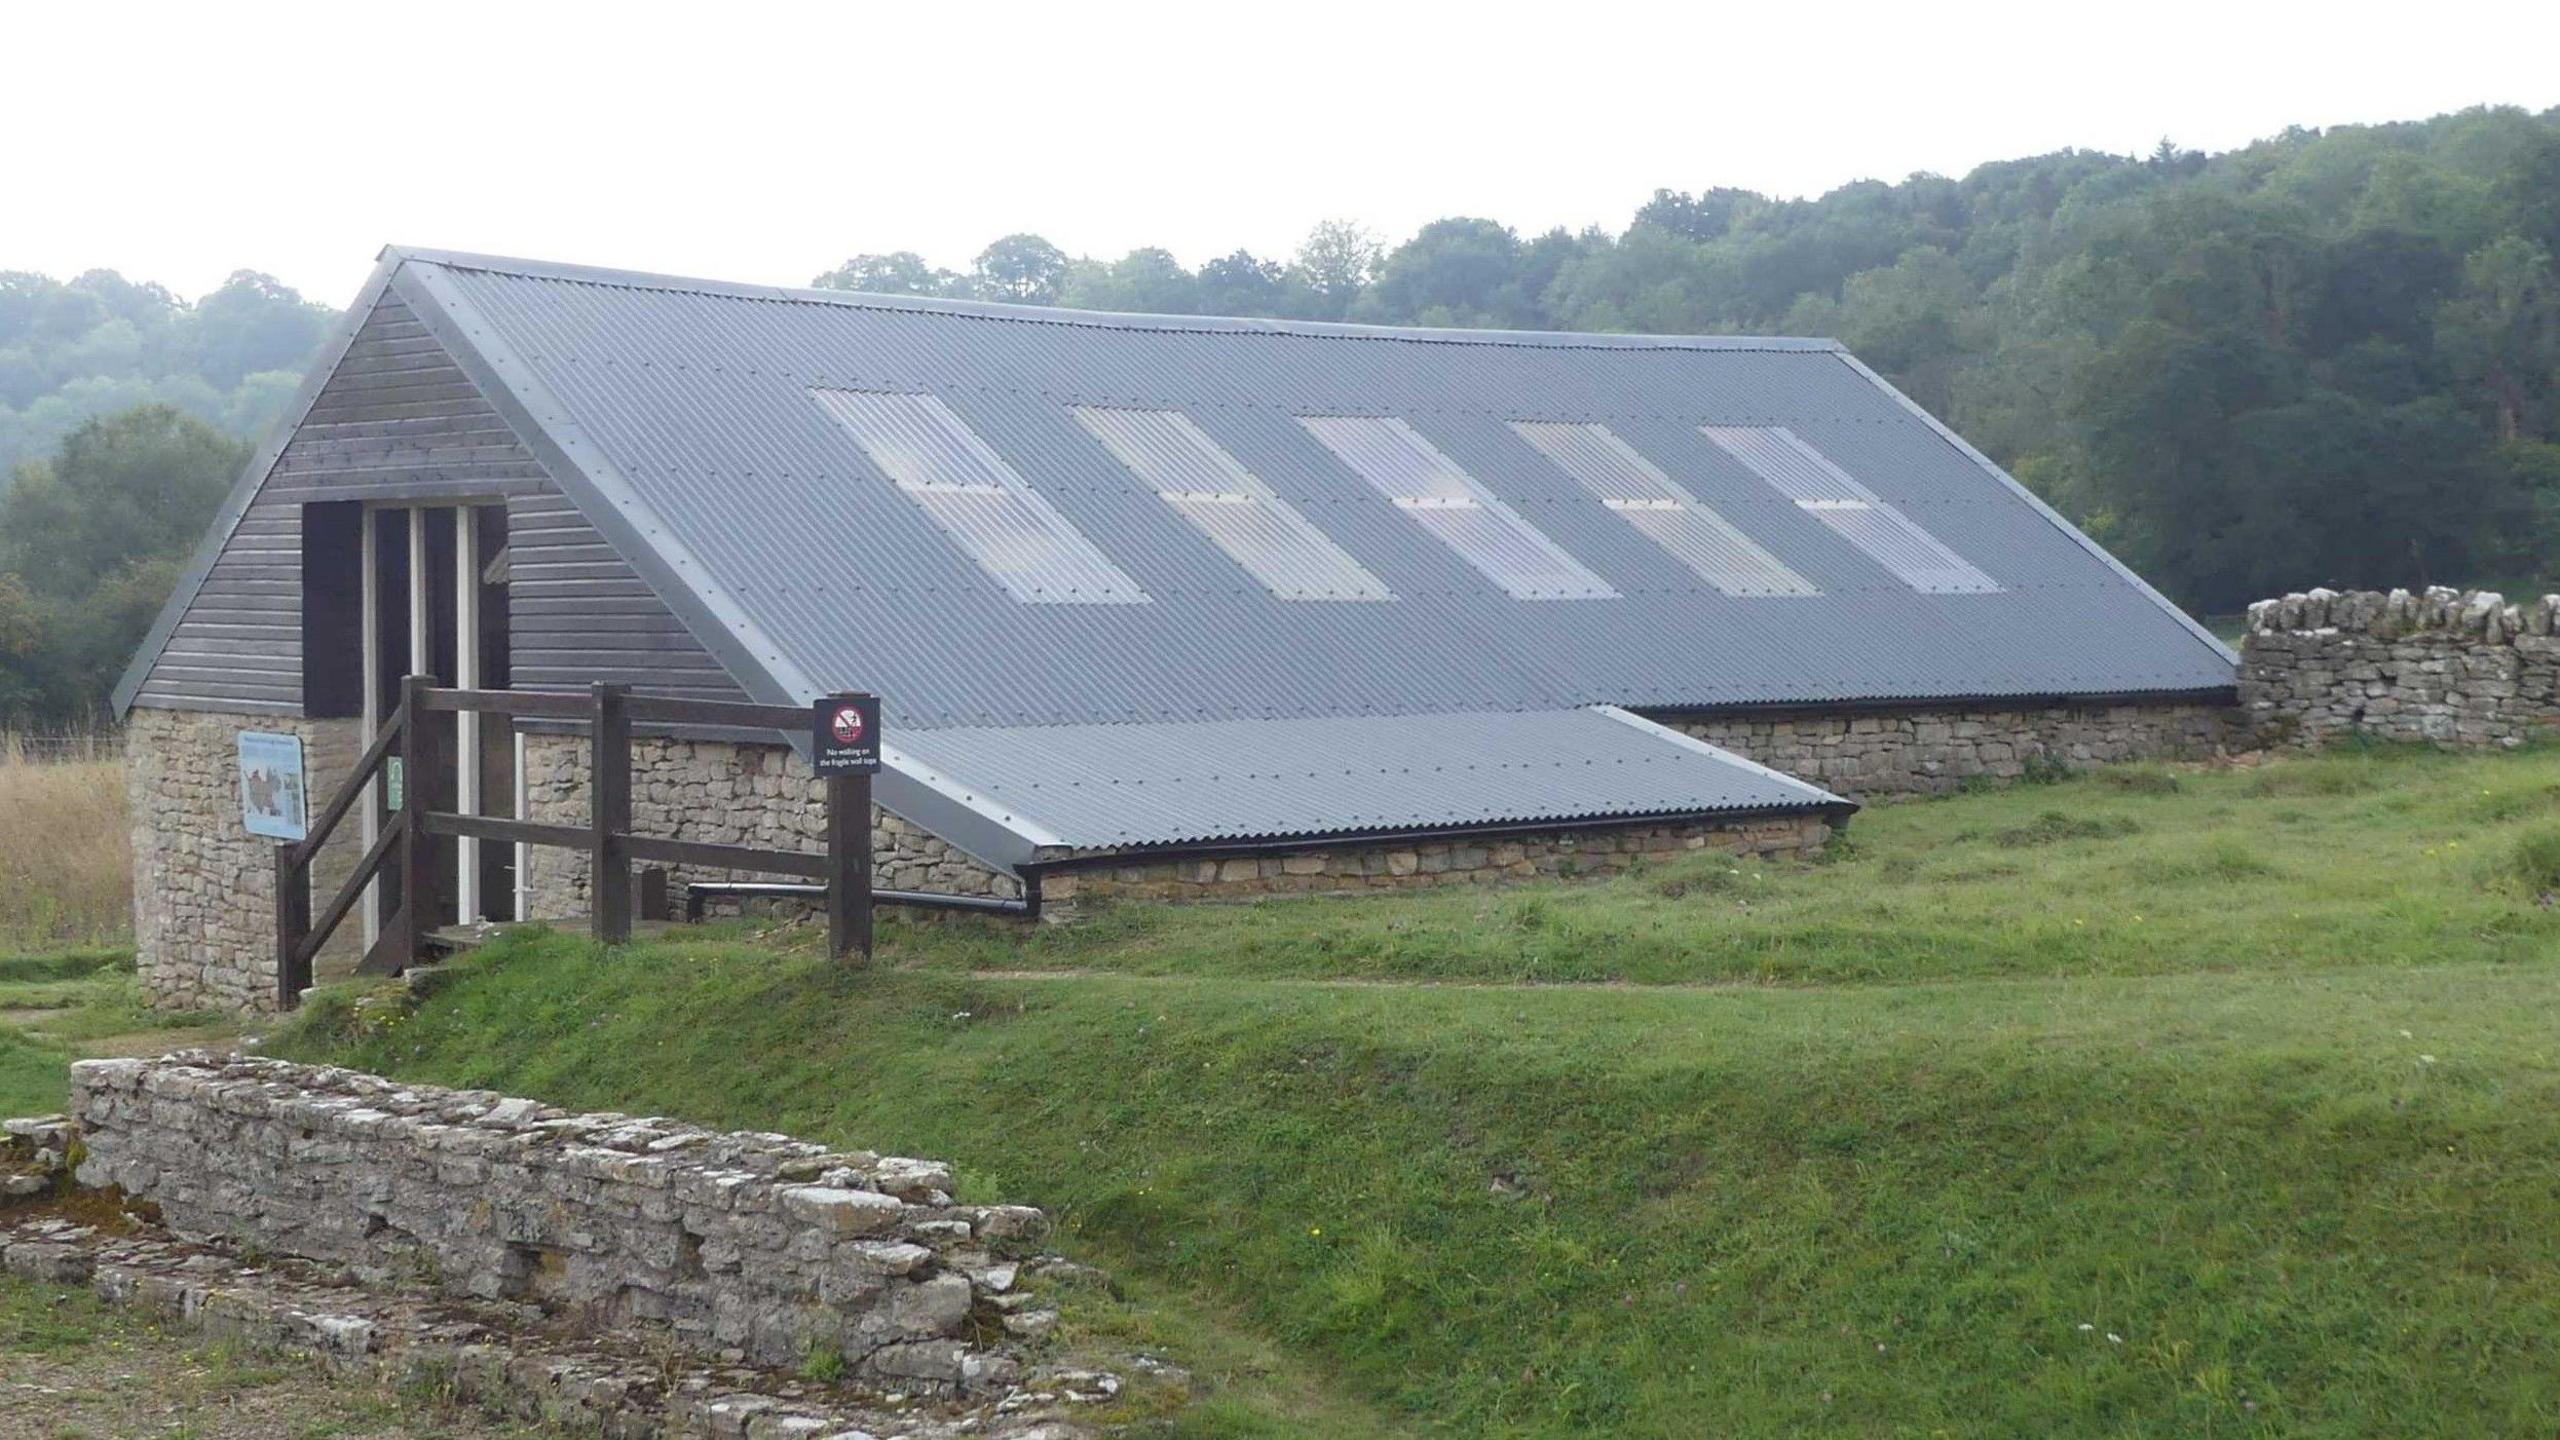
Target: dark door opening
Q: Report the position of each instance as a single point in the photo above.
(436, 594)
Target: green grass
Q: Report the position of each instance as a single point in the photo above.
(2225, 1106)
(33, 1074)
(55, 1008)
(2381, 856)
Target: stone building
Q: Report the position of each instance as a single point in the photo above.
(1160, 607)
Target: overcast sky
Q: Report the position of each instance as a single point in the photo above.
(766, 142)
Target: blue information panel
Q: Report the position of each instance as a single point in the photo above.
(274, 797)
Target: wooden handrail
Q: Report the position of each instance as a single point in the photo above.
(351, 889)
(340, 803)
(608, 712)
(537, 704)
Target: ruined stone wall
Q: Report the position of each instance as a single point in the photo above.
(204, 908)
(758, 1244)
(1887, 754)
(1409, 865)
(726, 793)
(2443, 666)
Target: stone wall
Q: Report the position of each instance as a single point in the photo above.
(726, 793)
(2443, 666)
(775, 1249)
(204, 909)
(1885, 754)
(1407, 865)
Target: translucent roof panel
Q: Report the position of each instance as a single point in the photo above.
(1226, 502)
(1448, 502)
(1852, 511)
(979, 500)
(1637, 490)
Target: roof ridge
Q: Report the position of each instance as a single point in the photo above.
(1109, 319)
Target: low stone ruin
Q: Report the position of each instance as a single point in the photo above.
(460, 1207)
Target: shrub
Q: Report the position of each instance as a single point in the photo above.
(2535, 861)
(2140, 780)
(2054, 827)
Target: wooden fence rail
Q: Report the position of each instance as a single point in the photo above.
(407, 836)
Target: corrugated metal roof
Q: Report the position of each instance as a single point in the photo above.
(1124, 786)
(697, 397)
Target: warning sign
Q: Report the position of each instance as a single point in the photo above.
(845, 737)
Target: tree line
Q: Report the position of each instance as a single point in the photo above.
(2326, 357)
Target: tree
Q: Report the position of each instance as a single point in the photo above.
(1453, 272)
(1334, 264)
(1240, 284)
(253, 323)
(23, 629)
(1148, 281)
(2501, 334)
(135, 486)
(900, 272)
(1022, 268)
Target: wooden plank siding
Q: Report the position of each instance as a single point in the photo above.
(577, 612)
(398, 420)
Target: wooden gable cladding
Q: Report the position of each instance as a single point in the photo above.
(577, 612)
(397, 420)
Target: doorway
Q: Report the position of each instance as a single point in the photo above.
(435, 603)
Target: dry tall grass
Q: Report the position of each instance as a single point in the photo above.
(66, 857)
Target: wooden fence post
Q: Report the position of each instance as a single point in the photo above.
(609, 782)
(849, 865)
(293, 927)
(417, 847)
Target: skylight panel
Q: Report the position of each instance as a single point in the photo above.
(1637, 491)
(979, 500)
(1449, 503)
(1226, 502)
(1854, 512)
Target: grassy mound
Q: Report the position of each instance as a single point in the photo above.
(2285, 1161)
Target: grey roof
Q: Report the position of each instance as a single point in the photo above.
(688, 404)
(1121, 786)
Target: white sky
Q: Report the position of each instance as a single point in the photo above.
(767, 141)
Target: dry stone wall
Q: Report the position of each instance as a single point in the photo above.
(204, 909)
(1410, 865)
(2437, 665)
(1887, 754)
(754, 1246)
(727, 793)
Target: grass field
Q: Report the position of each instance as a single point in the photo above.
(2151, 1103)
(66, 854)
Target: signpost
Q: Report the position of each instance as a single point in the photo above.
(844, 748)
